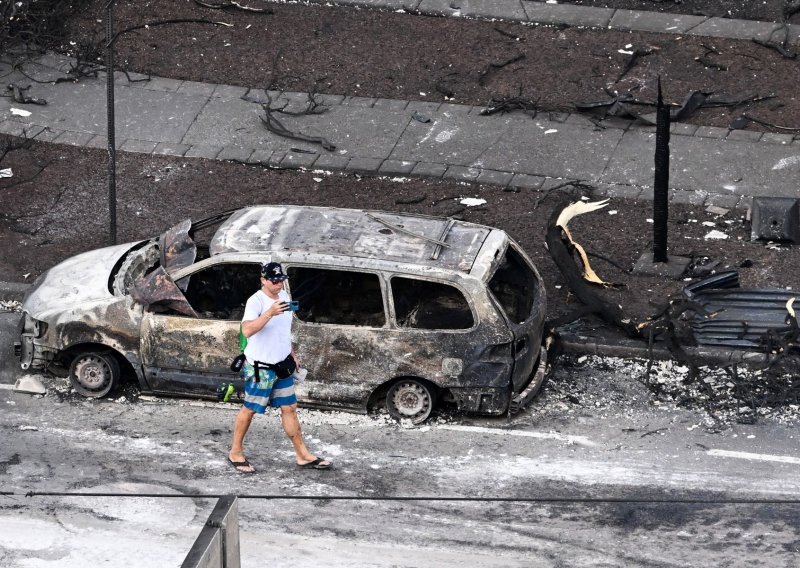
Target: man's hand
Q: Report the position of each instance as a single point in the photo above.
(254, 326)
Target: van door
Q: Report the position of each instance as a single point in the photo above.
(191, 355)
(340, 334)
(519, 291)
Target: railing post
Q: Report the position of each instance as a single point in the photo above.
(217, 546)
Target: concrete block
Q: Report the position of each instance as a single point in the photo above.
(776, 138)
(138, 146)
(746, 135)
(331, 162)
(74, 138)
(569, 14)
(260, 157)
(166, 149)
(235, 153)
(364, 165)
(29, 385)
(461, 173)
(682, 128)
(229, 92)
(645, 21)
(366, 102)
(711, 132)
(296, 160)
(161, 84)
(396, 167)
(196, 88)
(427, 169)
(526, 181)
(733, 29)
(724, 201)
(776, 219)
(696, 197)
(202, 151)
(495, 177)
(390, 104)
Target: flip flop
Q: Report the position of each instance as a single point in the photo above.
(241, 464)
(316, 464)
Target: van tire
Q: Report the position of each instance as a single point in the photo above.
(94, 374)
(410, 399)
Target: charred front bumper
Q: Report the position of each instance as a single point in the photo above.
(30, 354)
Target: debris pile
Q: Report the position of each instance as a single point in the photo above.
(726, 395)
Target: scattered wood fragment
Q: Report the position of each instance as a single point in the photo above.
(233, 4)
(493, 66)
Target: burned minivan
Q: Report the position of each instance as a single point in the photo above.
(397, 308)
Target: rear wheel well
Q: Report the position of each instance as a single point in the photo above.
(380, 392)
(407, 398)
(69, 354)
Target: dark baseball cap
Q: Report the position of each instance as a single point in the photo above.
(273, 271)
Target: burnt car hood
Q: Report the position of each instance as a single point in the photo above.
(79, 280)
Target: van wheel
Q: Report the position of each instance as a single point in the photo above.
(410, 399)
(94, 374)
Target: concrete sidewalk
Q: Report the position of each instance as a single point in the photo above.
(397, 137)
(709, 166)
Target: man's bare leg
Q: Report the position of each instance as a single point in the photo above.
(291, 425)
(240, 427)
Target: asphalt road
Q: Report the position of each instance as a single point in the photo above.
(64, 444)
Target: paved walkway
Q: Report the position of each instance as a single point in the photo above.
(430, 139)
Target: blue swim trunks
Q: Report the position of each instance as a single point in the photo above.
(268, 391)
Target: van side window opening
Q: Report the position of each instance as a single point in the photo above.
(430, 305)
(514, 286)
(341, 297)
(221, 291)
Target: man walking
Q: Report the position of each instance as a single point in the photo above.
(267, 324)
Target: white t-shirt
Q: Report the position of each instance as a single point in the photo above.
(273, 342)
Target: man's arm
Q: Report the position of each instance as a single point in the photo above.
(250, 327)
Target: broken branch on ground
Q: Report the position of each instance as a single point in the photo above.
(20, 96)
(706, 62)
(233, 4)
(492, 66)
(779, 46)
(633, 59)
(168, 22)
(276, 126)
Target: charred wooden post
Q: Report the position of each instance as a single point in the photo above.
(661, 181)
(658, 263)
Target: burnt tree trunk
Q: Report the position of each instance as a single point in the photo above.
(561, 250)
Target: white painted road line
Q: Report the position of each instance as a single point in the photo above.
(757, 457)
(579, 440)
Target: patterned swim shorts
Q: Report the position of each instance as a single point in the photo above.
(268, 391)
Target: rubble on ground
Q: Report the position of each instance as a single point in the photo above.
(725, 396)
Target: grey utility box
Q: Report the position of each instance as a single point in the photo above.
(776, 219)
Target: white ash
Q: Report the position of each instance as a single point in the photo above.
(624, 386)
(10, 306)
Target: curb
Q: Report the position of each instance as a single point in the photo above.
(632, 349)
(555, 14)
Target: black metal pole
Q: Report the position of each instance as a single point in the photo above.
(112, 151)
(661, 181)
